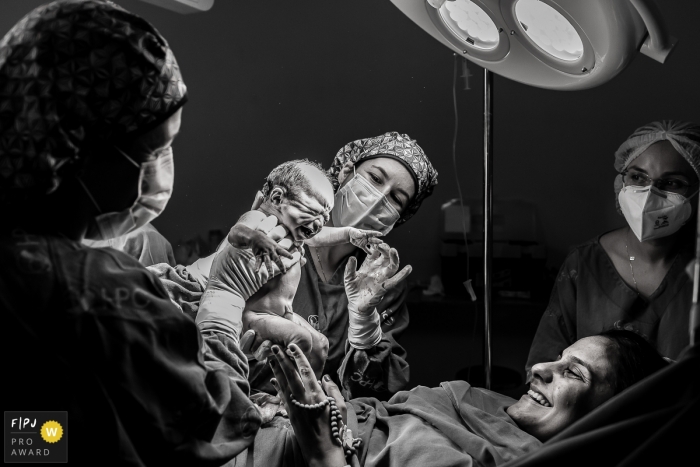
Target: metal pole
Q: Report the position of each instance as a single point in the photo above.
(488, 220)
(695, 309)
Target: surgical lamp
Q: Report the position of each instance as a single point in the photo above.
(183, 6)
(553, 44)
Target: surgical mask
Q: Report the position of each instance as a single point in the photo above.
(155, 187)
(359, 204)
(653, 213)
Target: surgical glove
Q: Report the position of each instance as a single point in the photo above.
(365, 288)
(200, 269)
(259, 198)
(232, 281)
(364, 238)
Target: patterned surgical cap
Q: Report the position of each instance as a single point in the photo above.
(684, 136)
(73, 72)
(395, 146)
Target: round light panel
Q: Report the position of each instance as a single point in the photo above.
(471, 23)
(549, 30)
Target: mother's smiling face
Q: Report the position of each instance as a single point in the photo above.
(563, 391)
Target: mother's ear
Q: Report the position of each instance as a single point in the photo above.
(346, 171)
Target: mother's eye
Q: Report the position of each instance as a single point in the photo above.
(374, 178)
(572, 374)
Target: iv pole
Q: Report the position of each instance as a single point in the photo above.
(695, 308)
(488, 222)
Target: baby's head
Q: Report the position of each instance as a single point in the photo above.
(300, 194)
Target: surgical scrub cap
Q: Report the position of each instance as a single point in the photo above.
(684, 136)
(73, 72)
(395, 146)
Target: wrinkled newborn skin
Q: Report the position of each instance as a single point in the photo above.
(303, 217)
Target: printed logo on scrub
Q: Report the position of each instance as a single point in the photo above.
(36, 437)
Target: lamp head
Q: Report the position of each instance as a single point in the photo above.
(553, 44)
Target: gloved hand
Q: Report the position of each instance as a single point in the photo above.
(233, 278)
(364, 238)
(365, 288)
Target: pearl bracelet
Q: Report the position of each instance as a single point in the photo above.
(341, 433)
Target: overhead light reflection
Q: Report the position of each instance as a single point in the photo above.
(470, 23)
(549, 30)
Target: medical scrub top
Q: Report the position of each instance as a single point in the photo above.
(377, 372)
(590, 297)
(92, 332)
(145, 244)
(450, 425)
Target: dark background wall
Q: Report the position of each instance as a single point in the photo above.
(275, 80)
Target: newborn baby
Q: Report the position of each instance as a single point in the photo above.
(300, 196)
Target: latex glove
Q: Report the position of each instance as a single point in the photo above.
(259, 198)
(232, 280)
(365, 288)
(268, 239)
(364, 239)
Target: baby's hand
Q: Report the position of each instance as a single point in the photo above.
(267, 250)
(364, 238)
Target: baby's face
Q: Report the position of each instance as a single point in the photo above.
(305, 214)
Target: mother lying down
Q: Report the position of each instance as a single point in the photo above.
(454, 424)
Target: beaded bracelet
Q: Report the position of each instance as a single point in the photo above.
(341, 433)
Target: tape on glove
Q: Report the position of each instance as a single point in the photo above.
(364, 331)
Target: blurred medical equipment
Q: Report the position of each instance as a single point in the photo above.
(551, 44)
(183, 6)
(519, 252)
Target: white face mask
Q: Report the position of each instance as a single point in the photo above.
(155, 187)
(358, 204)
(653, 213)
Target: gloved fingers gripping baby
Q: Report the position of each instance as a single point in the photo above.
(269, 241)
(297, 203)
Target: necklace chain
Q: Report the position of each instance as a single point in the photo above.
(631, 258)
(320, 264)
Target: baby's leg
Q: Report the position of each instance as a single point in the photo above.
(319, 347)
(268, 326)
(272, 327)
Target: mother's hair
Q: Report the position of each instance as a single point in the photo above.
(633, 358)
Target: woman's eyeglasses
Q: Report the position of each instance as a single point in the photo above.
(672, 184)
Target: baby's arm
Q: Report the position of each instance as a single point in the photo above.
(251, 232)
(329, 236)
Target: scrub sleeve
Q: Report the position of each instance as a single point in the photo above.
(93, 333)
